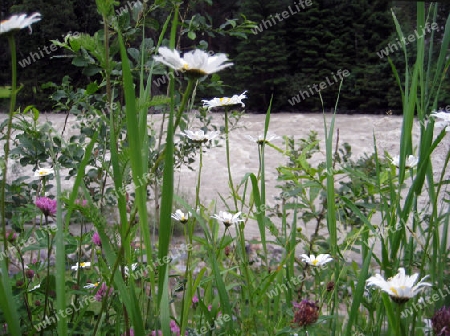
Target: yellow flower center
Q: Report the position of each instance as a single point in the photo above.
(82, 264)
(41, 173)
(315, 262)
(186, 66)
(394, 290)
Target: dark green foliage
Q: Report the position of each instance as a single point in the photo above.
(281, 57)
(38, 64)
(261, 61)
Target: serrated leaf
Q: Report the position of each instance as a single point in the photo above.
(91, 88)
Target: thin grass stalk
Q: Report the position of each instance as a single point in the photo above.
(262, 207)
(7, 304)
(144, 94)
(290, 251)
(227, 150)
(189, 229)
(331, 210)
(359, 293)
(12, 107)
(167, 196)
(136, 168)
(60, 258)
(247, 292)
(409, 104)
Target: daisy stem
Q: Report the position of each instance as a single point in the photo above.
(399, 330)
(197, 189)
(230, 179)
(186, 95)
(189, 228)
(12, 106)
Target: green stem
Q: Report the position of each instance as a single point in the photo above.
(197, 189)
(245, 266)
(230, 179)
(12, 106)
(189, 228)
(107, 69)
(186, 95)
(398, 327)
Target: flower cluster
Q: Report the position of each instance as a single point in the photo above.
(103, 291)
(46, 205)
(227, 218)
(400, 287)
(181, 216)
(96, 239)
(197, 62)
(200, 136)
(17, 22)
(41, 172)
(444, 119)
(305, 313)
(411, 161)
(441, 322)
(225, 101)
(261, 140)
(81, 265)
(320, 260)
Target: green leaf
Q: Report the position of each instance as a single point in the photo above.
(192, 35)
(5, 91)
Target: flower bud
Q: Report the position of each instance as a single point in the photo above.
(441, 322)
(11, 236)
(306, 313)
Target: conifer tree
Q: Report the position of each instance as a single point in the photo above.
(261, 60)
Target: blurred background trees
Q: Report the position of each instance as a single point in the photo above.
(280, 59)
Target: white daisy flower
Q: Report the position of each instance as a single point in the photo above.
(180, 216)
(320, 260)
(35, 287)
(400, 287)
(19, 22)
(260, 139)
(133, 268)
(82, 265)
(200, 136)
(227, 218)
(43, 172)
(195, 62)
(225, 101)
(411, 161)
(91, 285)
(445, 122)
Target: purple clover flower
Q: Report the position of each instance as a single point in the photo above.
(103, 290)
(174, 327)
(46, 205)
(96, 239)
